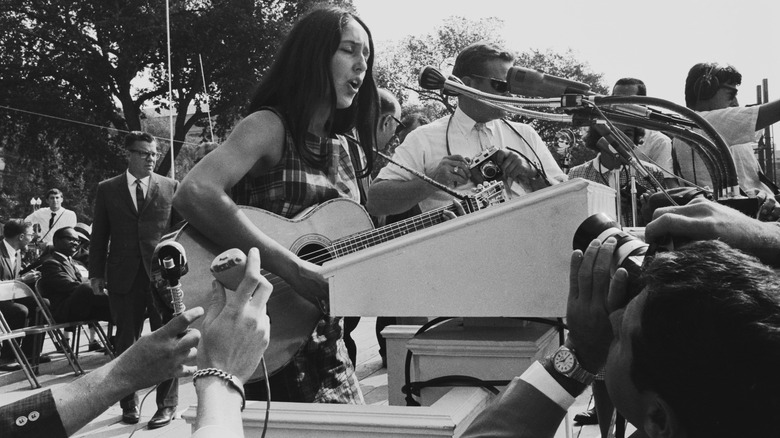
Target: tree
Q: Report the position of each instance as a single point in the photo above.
(103, 62)
(397, 68)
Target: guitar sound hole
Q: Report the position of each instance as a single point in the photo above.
(315, 254)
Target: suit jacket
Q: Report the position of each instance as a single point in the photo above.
(124, 238)
(6, 272)
(59, 278)
(31, 417)
(522, 411)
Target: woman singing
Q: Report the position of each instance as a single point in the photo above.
(288, 154)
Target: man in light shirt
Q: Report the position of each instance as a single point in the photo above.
(443, 149)
(49, 219)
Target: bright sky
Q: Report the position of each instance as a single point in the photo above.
(657, 41)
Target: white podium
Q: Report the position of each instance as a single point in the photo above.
(510, 259)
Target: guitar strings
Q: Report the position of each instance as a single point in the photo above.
(361, 240)
(358, 240)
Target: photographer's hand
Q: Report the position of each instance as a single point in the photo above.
(518, 169)
(702, 219)
(592, 297)
(452, 171)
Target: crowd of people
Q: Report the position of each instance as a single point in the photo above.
(690, 355)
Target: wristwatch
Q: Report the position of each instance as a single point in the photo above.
(565, 362)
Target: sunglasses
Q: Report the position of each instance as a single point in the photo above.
(496, 84)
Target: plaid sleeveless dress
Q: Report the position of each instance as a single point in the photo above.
(321, 371)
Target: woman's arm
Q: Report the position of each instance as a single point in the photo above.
(255, 146)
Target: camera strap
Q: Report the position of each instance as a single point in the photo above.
(536, 164)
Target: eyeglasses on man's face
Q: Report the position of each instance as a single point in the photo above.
(145, 154)
(500, 86)
(400, 125)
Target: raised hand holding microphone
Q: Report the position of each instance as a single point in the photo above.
(234, 335)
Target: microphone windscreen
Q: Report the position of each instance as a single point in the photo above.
(527, 82)
(431, 79)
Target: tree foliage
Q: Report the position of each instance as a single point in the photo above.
(104, 62)
(398, 67)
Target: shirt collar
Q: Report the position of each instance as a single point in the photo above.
(465, 124)
(11, 250)
(62, 255)
(131, 179)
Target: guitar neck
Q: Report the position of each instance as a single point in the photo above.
(367, 239)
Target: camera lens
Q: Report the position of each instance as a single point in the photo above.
(629, 253)
(490, 170)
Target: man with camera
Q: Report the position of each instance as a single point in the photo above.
(473, 144)
(693, 354)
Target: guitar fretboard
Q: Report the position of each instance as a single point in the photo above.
(370, 238)
(359, 241)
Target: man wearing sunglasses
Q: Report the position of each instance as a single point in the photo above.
(444, 148)
(132, 212)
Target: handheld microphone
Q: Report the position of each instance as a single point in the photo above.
(528, 82)
(228, 268)
(172, 264)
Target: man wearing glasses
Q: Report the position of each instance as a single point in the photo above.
(132, 212)
(71, 295)
(444, 148)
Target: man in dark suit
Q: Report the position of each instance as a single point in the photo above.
(132, 212)
(17, 234)
(71, 296)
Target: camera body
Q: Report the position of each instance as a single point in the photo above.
(484, 168)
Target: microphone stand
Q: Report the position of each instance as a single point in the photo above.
(618, 197)
(632, 183)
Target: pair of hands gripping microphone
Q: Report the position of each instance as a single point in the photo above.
(236, 317)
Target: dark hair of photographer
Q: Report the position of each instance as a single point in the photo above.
(709, 340)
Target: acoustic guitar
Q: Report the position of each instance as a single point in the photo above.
(329, 230)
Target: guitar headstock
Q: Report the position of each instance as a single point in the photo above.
(485, 195)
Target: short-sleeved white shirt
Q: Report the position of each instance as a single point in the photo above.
(424, 148)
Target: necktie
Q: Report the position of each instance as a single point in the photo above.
(139, 194)
(482, 136)
(51, 219)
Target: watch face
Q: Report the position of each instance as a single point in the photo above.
(563, 361)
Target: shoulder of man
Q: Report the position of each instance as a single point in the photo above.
(162, 179)
(117, 179)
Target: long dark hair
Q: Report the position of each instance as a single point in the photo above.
(301, 76)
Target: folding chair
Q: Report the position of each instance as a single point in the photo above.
(6, 335)
(16, 289)
(78, 326)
